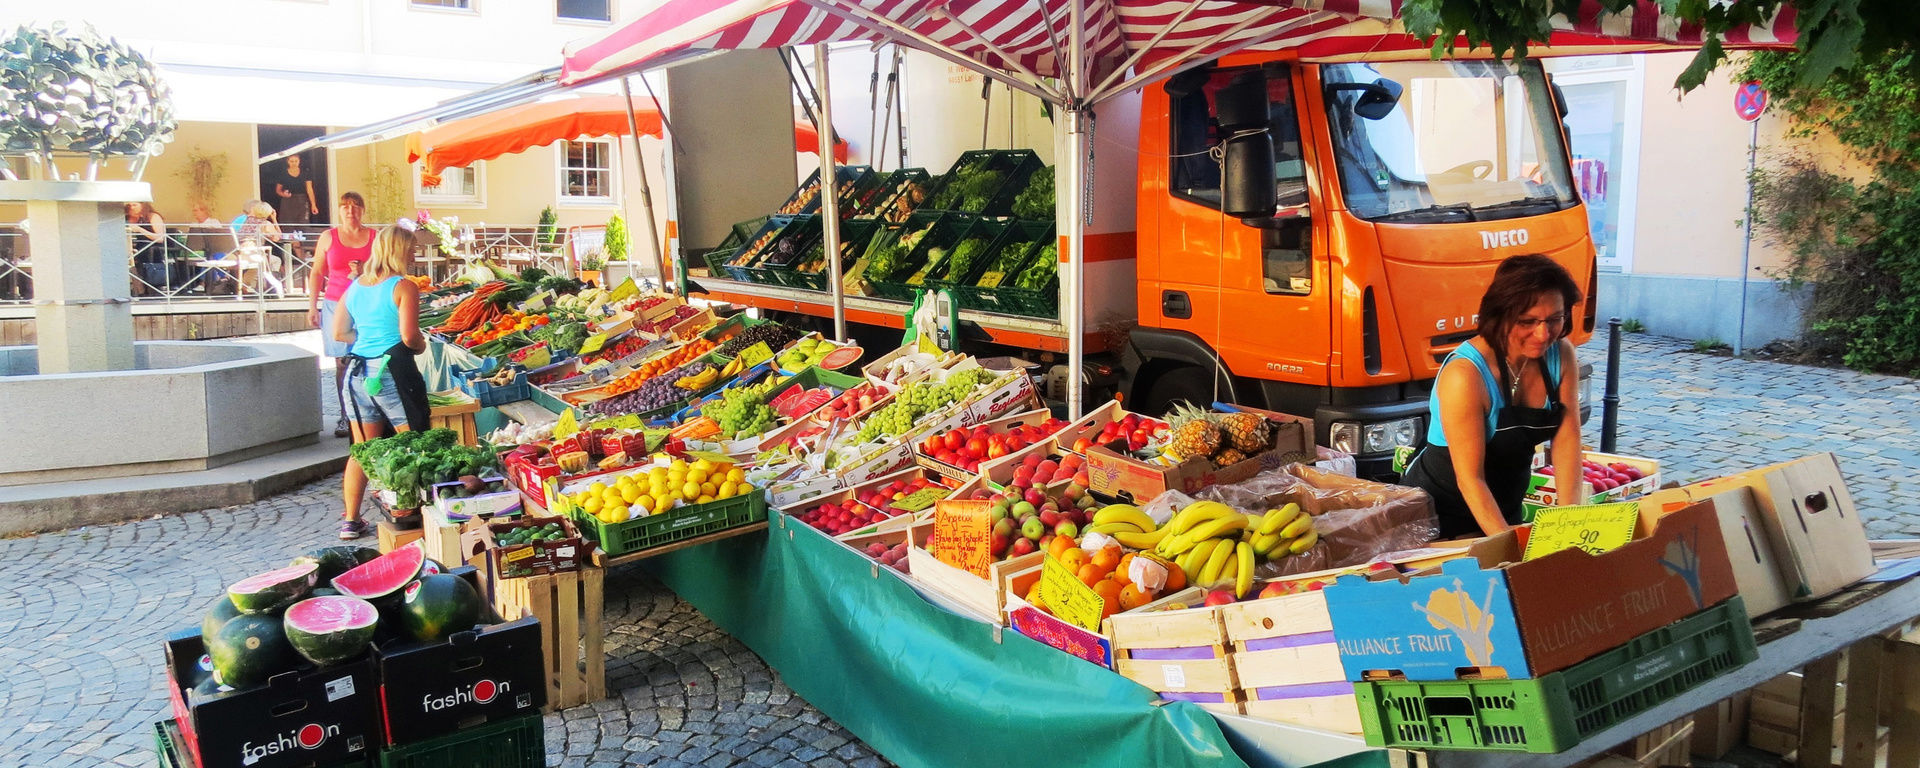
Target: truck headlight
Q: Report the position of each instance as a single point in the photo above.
(1379, 437)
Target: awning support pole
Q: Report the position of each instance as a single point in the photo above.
(646, 194)
(1074, 167)
(829, 191)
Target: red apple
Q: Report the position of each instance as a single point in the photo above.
(1220, 597)
(1274, 589)
(1022, 546)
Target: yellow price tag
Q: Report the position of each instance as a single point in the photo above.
(540, 357)
(717, 458)
(623, 421)
(593, 344)
(568, 424)
(919, 500)
(926, 345)
(1070, 600)
(755, 355)
(1595, 528)
(624, 291)
(991, 279)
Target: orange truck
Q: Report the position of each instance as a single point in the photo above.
(1310, 238)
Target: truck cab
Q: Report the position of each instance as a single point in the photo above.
(1314, 238)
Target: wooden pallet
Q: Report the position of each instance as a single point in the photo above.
(1856, 709)
(569, 606)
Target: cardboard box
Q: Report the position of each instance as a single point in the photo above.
(1116, 475)
(986, 598)
(1818, 537)
(996, 426)
(1542, 493)
(536, 558)
(294, 720)
(1750, 549)
(1491, 611)
(479, 676)
(455, 508)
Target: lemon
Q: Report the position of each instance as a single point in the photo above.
(629, 494)
(625, 481)
(662, 502)
(698, 475)
(657, 473)
(736, 475)
(728, 489)
(703, 465)
(620, 515)
(703, 500)
(641, 505)
(597, 488)
(690, 490)
(591, 505)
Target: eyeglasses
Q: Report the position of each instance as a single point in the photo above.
(1528, 324)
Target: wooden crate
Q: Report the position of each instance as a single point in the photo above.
(569, 607)
(392, 538)
(984, 597)
(1661, 747)
(1180, 654)
(1286, 664)
(458, 418)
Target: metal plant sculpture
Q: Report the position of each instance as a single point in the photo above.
(76, 91)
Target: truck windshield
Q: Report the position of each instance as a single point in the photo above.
(1464, 141)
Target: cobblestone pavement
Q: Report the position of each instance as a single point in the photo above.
(83, 614)
(1704, 416)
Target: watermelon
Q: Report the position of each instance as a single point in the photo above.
(431, 567)
(273, 590)
(438, 606)
(329, 630)
(223, 611)
(250, 649)
(383, 577)
(337, 560)
(323, 592)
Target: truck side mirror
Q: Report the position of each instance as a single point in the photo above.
(1559, 99)
(1377, 98)
(1247, 179)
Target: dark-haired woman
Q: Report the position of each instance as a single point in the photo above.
(1499, 396)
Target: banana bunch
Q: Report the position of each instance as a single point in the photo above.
(1127, 525)
(1284, 531)
(732, 369)
(700, 380)
(1216, 544)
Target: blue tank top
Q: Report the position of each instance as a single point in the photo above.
(376, 319)
(1497, 399)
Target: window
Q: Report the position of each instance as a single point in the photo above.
(584, 10)
(458, 186)
(453, 5)
(586, 171)
(1196, 173)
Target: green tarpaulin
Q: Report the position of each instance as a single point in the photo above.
(924, 686)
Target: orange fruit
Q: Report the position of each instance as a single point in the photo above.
(1109, 590)
(1090, 574)
(1131, 597)
(1176, 578)
(1072, 558)
(1058, 545)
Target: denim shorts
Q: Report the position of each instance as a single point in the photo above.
(374, 409)
(331, 348)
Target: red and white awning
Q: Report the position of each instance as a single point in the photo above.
(1127, 42)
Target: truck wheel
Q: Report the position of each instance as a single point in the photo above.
(1186, 382)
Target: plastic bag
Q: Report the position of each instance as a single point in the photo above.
(1358, 520)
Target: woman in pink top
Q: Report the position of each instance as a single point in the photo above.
(337, 259)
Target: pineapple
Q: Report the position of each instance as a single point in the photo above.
(1229, 457)
(1194, 433)
(1247, 432)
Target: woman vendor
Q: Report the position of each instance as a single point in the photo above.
(1499, 396)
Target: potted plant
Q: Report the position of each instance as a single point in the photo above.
(591, 265)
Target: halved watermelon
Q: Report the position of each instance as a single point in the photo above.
(329, 630)
(439, 605)
(221, 612)
(839, 358)
(250, 649)
(382, 577)
(273, 590)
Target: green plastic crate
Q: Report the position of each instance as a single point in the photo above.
(858, 174)
(679, 524)
(854, 236)
(1008, 299)
(890, 206)
(1016, 164)
(517, 743)
(1553, 713)
(894, 286)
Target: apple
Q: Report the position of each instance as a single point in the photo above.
(1000, 543)
(1067, 528)
(1274, 589)
(982, 494)
(1035, 497)
(876, 549)
(1220, 597)
(1033, 528)
(1082, 445)
(1049, 518)
(1023, 546)
(1022, 510)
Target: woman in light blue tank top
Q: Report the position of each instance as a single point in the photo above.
(1498, 397)
(379, 318)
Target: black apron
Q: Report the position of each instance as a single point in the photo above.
(1508, 466)
(407, 383)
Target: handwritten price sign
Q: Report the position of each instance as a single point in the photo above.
(1595, 528)
(1070, 599)
(919, 500)
(755, 355)
(964, 529)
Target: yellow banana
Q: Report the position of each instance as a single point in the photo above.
(1278, 518)
(1298, 527)
(1304, 543)
(1195, 559)
(733, 367)
(1139, 540)
(1219, 527)
(1125, 513)
(1197, 513)
(1230, 574)
(1216, 561)
(1113, 527)
(1264, 543)
(1243, 579)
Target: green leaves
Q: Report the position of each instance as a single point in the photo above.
(63, 90)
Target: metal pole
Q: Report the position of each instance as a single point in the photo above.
(1610, 401)
(1746, 240)
(646, 193)
(829, 192)
(1074, 166)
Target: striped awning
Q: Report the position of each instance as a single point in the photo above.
(1126, 42)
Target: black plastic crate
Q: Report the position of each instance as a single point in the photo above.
(804, 200)
(517, 743)
(811, 273)
(904, 191)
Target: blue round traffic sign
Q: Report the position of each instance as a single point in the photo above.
(1750, 101)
